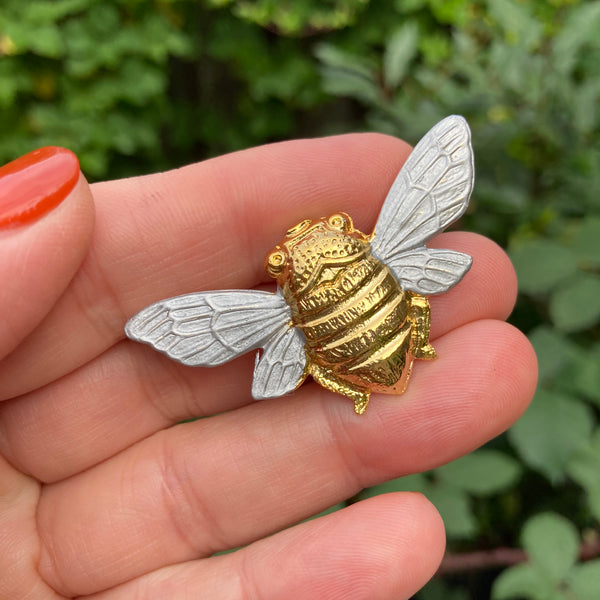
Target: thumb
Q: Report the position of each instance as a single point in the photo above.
(46, 221)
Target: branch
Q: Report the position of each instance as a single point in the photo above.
(501, 557)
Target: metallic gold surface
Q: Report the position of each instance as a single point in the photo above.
(362, 330)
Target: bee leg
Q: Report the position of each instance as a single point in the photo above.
(330, 382)
(420, 315)
(361, 400)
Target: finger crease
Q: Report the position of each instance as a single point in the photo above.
(188, 511)
(158, 390)
(247, 582)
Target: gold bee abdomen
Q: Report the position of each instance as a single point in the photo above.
(370, 317)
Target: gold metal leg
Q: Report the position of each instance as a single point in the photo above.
(325, 378)
(420, 315)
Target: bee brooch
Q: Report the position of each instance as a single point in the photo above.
(351, 309)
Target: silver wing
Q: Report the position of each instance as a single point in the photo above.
(431, 191)
(282, 362)
(429, 270)
(210, 328)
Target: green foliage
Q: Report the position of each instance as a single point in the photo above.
(436, 589)
(574, 306)
(137, 86)
(551, 573)
(542, 265)
(482, 474)
(584, 468)
(305, 17)
(552, 544)
(85, 74)
(541, 438)
(399, 52)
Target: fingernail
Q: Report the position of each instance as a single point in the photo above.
(35, 183)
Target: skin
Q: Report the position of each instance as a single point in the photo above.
(103, 495)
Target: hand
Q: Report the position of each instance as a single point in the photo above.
(104, 495)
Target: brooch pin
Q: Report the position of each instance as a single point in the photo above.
(351, 309)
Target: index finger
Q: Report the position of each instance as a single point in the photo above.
(205, 226)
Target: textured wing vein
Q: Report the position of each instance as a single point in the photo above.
(210, 328)
(429, 270)
(431, 191)
(281, 368)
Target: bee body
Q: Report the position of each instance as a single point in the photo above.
(356, 318)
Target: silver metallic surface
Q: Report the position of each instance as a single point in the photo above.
(431, 191)
(281, 368)
(209, 328)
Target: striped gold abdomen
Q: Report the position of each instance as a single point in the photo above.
(352, 314)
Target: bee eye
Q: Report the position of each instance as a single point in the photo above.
(296, 229)
(339, 222)
(275, 262)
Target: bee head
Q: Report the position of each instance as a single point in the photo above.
(311, 241)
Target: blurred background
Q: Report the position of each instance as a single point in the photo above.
(136, 86)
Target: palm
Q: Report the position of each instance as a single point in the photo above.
(103, 494)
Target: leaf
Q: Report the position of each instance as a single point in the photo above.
(580, 28)
(585, 106)
(44, 41)
(516, 72)
(584, 581)
(332, 56)
(519, 25)
(586, 240)
(437, 589)
(552, 544)
(341, 83)
(542, 264)
(576, 304)
(454, 506)
(344, 74)
(435, 48)
(584, 468)
(481, 473)
(553, 351)
(452, 12)
(47, 12)
(12, 81)
(594, 501)
(586, 374)
(520, 581)
(552, 429)
(399, 51)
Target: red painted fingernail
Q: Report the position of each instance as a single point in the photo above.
(35, 183)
